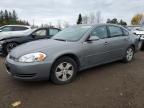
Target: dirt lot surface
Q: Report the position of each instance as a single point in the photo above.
(115, 85)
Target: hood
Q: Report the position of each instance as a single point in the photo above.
(36, 46)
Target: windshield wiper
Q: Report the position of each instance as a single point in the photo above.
(60, 39)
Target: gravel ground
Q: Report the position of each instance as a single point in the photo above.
(115, 85)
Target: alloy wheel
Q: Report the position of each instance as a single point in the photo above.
(130, 54)
(64, 71)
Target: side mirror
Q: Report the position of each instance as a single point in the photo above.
(93, 38)
(33, 35)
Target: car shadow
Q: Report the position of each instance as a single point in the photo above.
(102, 68)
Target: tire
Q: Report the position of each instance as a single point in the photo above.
(140, 44)
(63, 71)
(142, 48)
(8, 47)
(129, 55)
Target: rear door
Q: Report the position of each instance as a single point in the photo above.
(18, 30)
(118, 42)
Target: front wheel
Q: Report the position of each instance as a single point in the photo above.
(129, 54)
(8, 47)
(63, 71)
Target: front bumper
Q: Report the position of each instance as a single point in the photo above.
(28, 71)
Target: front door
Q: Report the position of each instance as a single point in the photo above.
(40, 34)
(96, 51)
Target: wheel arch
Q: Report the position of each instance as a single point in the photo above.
(72, 56)
(132, 45)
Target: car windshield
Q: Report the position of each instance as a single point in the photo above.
(73, 33)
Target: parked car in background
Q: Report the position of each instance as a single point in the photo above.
(13, 29)
(9, 42)
(139, 31)
(74, 49)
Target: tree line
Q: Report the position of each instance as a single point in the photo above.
(116, 21)
(95, 19)
(8, 17)
(137, 19)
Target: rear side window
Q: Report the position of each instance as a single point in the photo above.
(53, 32)
(115, 31)
(19, 28)
(125, 32)
(100, 32)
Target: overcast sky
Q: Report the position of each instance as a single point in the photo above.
(45, 11)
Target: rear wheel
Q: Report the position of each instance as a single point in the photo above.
(8, 47)
(129, 54)
(63, 71)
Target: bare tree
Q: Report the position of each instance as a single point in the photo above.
(66, 24)
(85, 19)
(92, 18)
(59, 25)
(98, 17)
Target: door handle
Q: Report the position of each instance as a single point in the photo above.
(106, 43)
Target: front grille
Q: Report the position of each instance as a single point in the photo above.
(25, 75)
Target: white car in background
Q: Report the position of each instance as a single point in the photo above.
(14, 30)
(139, 31)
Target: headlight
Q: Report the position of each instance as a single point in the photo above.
(32, 57)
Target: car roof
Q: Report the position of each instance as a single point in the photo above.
(101, 24)
(18, 26)
(47, 28)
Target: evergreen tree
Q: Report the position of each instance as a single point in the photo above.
(1, 15)
(14, 15)
(122, 22)
(10, 15)
(114, 21)
(108, 21)
(6, 16)
(79, 21)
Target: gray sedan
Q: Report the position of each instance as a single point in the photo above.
(74, 49)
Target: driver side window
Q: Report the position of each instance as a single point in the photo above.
(40, 33)
(100, 32)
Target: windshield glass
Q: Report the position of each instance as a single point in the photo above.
(73, 33)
